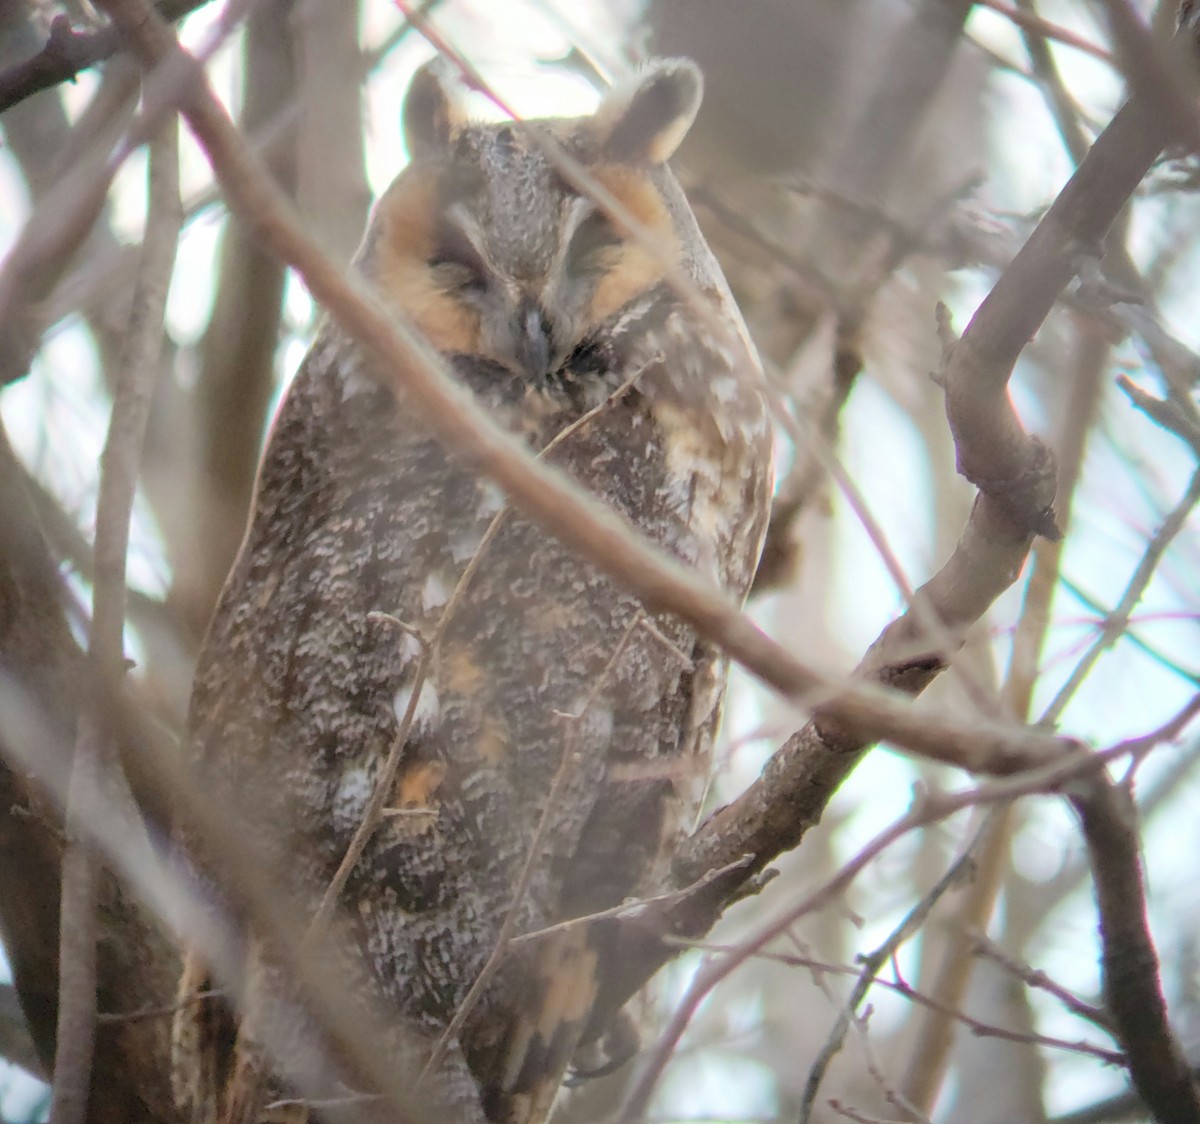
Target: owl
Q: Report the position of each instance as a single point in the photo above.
(553, 734)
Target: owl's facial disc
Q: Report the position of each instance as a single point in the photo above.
(532, 314)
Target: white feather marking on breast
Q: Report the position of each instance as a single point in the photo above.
(350, 797)
(434, 592)
(428, 709)
(464, 542)
(491, 499)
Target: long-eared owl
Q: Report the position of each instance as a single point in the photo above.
(559, 734)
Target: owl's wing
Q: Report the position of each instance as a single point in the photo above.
(574, 993)
(547, 1031)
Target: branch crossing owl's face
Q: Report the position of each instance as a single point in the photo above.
(558, 268)
(490, 241)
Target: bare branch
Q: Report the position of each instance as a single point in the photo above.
(976, 1026)
(873, 961)
(61, 221)
(1034, 977)
(201, 502)
(1049, 778)
(1016, 480)
(68, 51)
(16, 1043)
(1117, 621)
(1132, 990)
(1035, 26)
(933, 1034)
(1166, 412)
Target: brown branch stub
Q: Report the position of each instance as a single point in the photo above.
(1168, 413)
(64, 55)
(68, 51)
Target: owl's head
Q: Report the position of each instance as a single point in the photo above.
(494, 249)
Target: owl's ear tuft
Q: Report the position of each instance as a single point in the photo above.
(644, 123)
(433, 113)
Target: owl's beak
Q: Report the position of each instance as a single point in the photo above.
(535, 343)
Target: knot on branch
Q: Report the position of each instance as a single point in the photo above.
(61, 42)
(1026, 493)
(911, 674)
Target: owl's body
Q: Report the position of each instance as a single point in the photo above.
(560, 734)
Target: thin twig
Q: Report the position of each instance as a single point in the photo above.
(1034, 24)
(1169, 413)
(976, 1026)
(165, 1010)
(871, 963)
(630, 908)
(1058, 100)
(96, 765)
(1053, 778)
(1035, 977)
(63, 218)
(60, 221)
(562, 774)
(381, 792)
(1096, 607)
(373, 56)
(1117, 621)
(843, 1109)
(931, 809)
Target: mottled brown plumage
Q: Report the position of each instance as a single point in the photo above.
(553, 702)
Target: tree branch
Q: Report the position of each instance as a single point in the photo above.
(68, 51)
(62, 219)
(96, 764)
(872, 962)
(1016, 478)
(1132, 990)
(930, 809)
